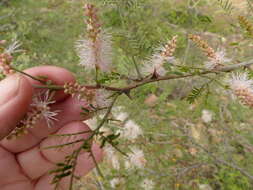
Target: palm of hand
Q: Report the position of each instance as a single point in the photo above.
(24, 162)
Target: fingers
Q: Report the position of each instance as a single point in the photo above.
(69, 111)
(58, 75)
(45, 183)
(16, 96)
(10, 174)
(14, 179)
(37, 161)
(58, 155)
(84, 165)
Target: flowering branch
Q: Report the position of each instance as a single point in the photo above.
(95, 55)
(71, 161)
(30, 76)
(127, 89)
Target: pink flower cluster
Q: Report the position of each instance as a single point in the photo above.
(94, 51)
(242, 87)
(5, 61)
(164, 54)
(93, 25)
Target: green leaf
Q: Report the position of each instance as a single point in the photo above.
(85, 111)
(113, 137)
(195, 94)
(227, 5)
(109, 77)
(234, 44)
(63, 175)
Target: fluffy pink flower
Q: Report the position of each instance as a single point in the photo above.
(42, 103)
(94, 51)
(98, 53)
(242, 87)
(162, 55)
(218, 60)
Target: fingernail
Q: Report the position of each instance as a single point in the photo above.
(9, 88)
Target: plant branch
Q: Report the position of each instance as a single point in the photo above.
(214, 157)
(30, 76)
(96, 164)
(70, 134)
(137, 68)
(145, 81)
(218, 160)
(63, 145)
(107, 113)
(76, 154)
(170, 77)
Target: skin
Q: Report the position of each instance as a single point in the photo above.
(24, 162)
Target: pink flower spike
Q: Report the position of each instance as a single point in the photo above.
(242, 87)
(162, 55)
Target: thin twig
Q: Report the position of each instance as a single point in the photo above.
(95, 132)
(211, 155)
(107, 113)
(96, 164)
(69, 134)
(30, 76)
(137, 68)
(130, 87)
(98, 182)
(63, 145)
(76, 154)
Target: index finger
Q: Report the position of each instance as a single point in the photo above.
(58, 76)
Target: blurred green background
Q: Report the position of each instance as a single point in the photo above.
(48, 30)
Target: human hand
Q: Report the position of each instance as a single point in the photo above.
(24, 164)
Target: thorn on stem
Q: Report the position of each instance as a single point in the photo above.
(127, 93)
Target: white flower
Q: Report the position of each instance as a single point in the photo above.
(205, 187)
(13, 48)
(95, 53)
(102, 98)
(206, 116)
(241, 86)
(42, 100)
(221, 56)
(217, 60)
(109, 151)
(112, 157)
(42, 103)
(137, 158)
(240, 81)
(115, 182)
(127, 164)
(131, 130)
(93, 124)
(122, 116)
(147, 184)
(162, 55)
(154, 65)
(115, 162)
(117, 109)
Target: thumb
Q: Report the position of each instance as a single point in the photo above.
(15, 97)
